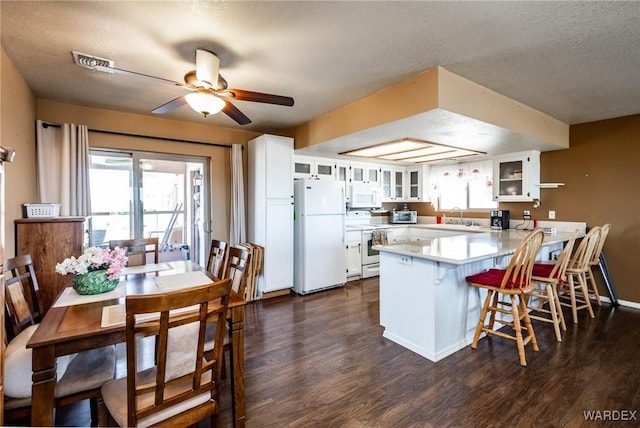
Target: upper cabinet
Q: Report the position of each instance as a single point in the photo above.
(393, 183)
(312, 167)
(365, 173)
(417, 183)
(516, 176)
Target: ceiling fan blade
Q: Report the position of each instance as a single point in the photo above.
(171, 105)
(241, 95)
(235, 114)
(207, 67)
(134, 74)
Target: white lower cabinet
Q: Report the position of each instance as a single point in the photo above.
(354, 255)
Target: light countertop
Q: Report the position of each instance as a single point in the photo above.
(467, 247)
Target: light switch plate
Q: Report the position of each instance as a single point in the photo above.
(552, 215)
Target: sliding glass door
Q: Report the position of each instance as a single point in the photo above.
(135, 194)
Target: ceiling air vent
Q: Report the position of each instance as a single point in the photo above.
(90, 61)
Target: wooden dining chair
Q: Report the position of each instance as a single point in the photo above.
(79, 376)
(138, 250)
(546, 278)
(238, 261)
(182, 388)
(575, 292)
(595, 262)
(216, 264)
(513, 283)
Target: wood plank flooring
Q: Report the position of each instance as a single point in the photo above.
(321, 361)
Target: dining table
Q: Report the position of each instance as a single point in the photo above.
(76, 323)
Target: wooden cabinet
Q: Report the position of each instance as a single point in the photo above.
(516, 177)
(49, 241)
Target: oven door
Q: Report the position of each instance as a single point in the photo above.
(369, 255)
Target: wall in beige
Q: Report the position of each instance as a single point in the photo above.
(17, 119)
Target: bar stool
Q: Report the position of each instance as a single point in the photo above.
(595, 261)
(514, 282)
(576, 285)
(546, 278)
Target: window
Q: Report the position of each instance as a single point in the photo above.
(141, 194)
(466, 186)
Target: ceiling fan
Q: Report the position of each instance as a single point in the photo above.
(209, 94)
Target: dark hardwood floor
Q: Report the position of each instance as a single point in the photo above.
(321, 361)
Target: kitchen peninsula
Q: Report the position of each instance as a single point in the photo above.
(426, 304)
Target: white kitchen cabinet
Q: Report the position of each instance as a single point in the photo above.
(398, 235)
(418, 183)
(312, 167)
(365, 173)
(516, 176)
(270, 208)
(341, 170)
(354, 255)
(393, 182)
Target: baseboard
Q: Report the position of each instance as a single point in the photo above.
(625, 303)
(276, 293)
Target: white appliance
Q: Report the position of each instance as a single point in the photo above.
(319, 231)
(370, 258)
(366, 195)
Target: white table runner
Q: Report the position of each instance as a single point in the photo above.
(70, 297)
(151, 267)
(181, 280)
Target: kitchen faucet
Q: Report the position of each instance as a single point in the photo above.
(459, 209)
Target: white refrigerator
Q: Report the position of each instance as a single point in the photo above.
(320, 260)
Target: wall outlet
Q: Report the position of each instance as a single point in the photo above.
(552, 215)
(527, 215)
(406, 260)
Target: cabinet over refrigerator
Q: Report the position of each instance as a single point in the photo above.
(320, 260)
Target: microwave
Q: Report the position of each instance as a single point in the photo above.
(406, 217)
(365, 195)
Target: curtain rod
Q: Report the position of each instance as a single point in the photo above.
(125, 134)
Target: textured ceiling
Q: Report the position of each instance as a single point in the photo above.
(575, 61)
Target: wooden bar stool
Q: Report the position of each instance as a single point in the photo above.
(546, 278)
(574, 293)
(513, 282)
(595, 261)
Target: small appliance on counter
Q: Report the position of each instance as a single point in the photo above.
(500, 219)
(403, 217)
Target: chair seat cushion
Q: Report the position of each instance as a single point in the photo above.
(17, 365)
(543, 270)
(114, 394)
(88, 370)
(492, 278)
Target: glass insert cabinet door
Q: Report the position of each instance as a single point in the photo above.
(510, 178)
(140, 195)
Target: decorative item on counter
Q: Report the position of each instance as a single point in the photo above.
(96, 271)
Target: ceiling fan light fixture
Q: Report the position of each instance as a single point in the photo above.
(204, 103)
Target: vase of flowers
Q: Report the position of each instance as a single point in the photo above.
(96, 271)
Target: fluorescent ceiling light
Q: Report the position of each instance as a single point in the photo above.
(204, 103)
(411, 150)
